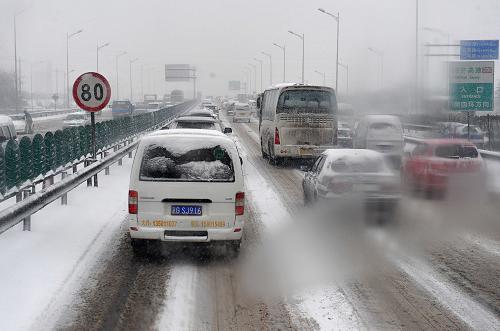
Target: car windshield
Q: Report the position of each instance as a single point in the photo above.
(307, 102)
(208, 164)
(456, 151)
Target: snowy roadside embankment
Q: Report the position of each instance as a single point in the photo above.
(40, 266)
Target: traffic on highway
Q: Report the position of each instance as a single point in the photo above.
(318, 169)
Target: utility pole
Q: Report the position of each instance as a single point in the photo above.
(131, 90)
(302, 37)
(260, 62)
(68, 36)
(336, 18)
(270, 68)
(117, 81)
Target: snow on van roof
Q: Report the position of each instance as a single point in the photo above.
(180, 141)
(298, 85)
(188, 132)
(195, 119)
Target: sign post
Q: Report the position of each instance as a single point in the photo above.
(92, 92)
(471, 87)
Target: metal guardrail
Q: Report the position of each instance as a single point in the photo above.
(32, 203)
(23, 209)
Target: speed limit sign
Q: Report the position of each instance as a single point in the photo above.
(91, 91)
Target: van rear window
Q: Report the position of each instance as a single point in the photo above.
(207, 164)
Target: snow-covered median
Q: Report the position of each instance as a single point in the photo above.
(40, 267)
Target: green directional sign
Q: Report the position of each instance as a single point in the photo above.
(471, 85)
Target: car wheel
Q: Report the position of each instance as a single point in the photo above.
(139, 247)
(264, 155)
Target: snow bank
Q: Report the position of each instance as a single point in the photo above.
(38, 266)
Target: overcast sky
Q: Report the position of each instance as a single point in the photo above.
(220, 37)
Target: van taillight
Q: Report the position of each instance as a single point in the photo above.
(239, 208)
(276, 136)
(132, 201)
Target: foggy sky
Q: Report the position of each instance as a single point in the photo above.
(220, 37)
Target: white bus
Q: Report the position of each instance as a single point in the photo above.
(297, 121)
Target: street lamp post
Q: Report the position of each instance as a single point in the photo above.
(68, 36)
(346, 66)
(270, 67)
(117, 81)
(301, 36)
(284, 59)
(131, 91)
(254, 76)
(98, 48)
(260, 62)
(15, 59)
(381, 56)
(416, 57)
(322, 74)
(336, 18)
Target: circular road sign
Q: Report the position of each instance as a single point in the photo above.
(91, 91)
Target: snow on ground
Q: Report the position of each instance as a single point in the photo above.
(327, 305)
(475, 315)
(40, 266)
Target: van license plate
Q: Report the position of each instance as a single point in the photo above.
(180, 210)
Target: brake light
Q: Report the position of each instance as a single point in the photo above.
(276, 137)
(132, 201)
(239, 208)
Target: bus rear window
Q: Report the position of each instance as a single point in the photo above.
(307, 102)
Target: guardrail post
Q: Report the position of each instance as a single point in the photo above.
(130, 155)
(89, 180)
(75, 167)
(64, 197)
(120, 161)
(106, 170)
(26, 220)
(47, 181)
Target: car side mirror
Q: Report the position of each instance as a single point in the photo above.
(228, 130)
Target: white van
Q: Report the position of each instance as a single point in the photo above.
(7, 129)
(382, 133)
(241, 112)
(186, 186)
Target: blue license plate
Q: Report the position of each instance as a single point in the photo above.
(180, 210)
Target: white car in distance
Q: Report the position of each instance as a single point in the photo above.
(242, 112)
(186, 186)
(76, 120)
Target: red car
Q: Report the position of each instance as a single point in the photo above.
(431, 164)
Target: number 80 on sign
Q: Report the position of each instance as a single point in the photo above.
(91, 91)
